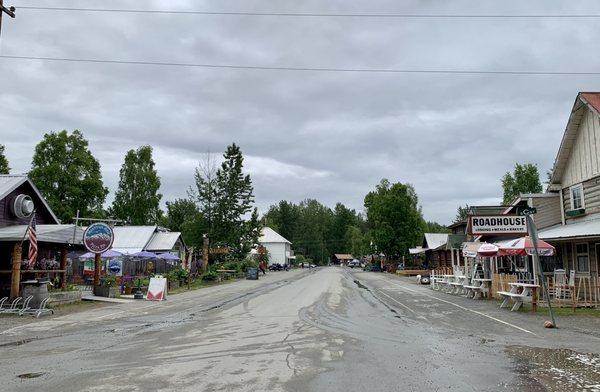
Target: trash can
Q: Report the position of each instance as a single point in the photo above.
(38, 289)
(252, 273)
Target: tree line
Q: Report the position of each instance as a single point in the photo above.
(220, 204)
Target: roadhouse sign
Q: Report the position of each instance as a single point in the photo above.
(497, 224)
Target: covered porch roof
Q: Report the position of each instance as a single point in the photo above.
(57, 234)
(573, 231)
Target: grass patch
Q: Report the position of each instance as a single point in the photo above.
(562, 312)
(200, 284)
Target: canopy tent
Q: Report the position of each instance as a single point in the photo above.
(145, 255)
(106, 255)
(524, 247)
(167, 256)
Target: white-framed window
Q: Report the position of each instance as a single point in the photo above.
(582, 258)
(577, 197)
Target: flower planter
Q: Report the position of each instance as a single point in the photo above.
(109, 292)
(173, 284)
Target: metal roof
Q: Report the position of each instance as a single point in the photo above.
(435, 241)
(417, 250)
(163, 241)
(343, 256)
(268, 235)
(59, 234)
(128, 238)
(590, 228)
(10, 182)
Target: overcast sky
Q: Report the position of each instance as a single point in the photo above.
(324, 135)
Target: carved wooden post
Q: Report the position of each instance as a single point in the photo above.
(63, 267)
(16, 270)
(97, 268)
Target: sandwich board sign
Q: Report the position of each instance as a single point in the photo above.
(157, 289)
(497, 224)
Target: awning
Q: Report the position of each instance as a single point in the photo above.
(417, 250)
(577, 230)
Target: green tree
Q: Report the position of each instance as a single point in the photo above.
(205, 192)
(283, 218)
(343, 217)
(524, 179)
(4, 168)
(356, 241)
(137, 199)
(434, 227)
(395, 218)
(180, 211)
(68, 175)
(461, 213)
(234, 201)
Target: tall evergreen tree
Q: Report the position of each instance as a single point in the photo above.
(4, 168)
(205, 192)
(68, 175)
(137, 199)
(234, 201)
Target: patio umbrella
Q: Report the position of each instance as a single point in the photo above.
(524, 247)
(167, 256)
(106, 255)
(145, 255)
(481, 249)
(487, 250)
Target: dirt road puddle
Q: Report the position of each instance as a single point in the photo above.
(555, 369)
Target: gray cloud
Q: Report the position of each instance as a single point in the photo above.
(330, 136)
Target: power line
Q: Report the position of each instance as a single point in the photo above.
(307, 69)
(314, 14)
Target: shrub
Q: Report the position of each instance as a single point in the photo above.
(108, 281)
(210, 276)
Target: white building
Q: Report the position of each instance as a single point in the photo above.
(280, 249)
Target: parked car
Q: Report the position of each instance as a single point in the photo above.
(353, 263)
(373, 268)
(278, 267)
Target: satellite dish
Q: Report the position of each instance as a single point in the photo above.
(22, 206)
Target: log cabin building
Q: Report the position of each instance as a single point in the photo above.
(20, 201)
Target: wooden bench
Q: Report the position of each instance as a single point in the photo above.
(224, 272)
(519, 293)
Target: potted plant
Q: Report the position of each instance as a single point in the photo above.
(108, 287)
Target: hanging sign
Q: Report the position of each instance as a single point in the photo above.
(497, 224)
(98, 237)
(157, 289)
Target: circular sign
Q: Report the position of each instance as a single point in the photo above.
(98, 237)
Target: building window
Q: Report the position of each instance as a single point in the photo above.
(577, 197)
(582, 258)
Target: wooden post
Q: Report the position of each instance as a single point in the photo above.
(534, 298)
(63, 267)
(205, 254)
(15, 282)
(97, 269)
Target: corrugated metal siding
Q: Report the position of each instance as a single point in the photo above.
(548, 211)
(584, 161)
(591, 198)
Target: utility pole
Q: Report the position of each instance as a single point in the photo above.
(10, 11)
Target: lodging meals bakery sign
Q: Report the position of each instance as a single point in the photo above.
(497, 224)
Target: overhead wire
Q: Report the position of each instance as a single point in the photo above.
(304, 68)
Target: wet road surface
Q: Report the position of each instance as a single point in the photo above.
(329, 329)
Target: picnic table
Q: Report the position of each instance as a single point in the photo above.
(519, 293)
(457, 285)
(479, 286)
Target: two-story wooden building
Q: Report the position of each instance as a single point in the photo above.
(575, 181)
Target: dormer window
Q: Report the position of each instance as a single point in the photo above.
(577, 197)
